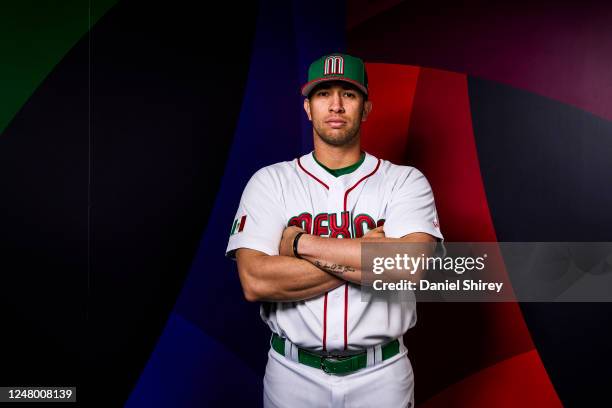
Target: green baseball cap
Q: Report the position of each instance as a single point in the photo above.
(337, 67)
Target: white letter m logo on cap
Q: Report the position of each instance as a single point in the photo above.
(334, 65)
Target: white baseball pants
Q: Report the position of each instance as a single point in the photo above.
(383, 384)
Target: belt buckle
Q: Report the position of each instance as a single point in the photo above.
(324, 367)
(330, 358)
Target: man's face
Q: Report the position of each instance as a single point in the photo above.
(336, 110)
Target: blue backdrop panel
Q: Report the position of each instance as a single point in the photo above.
(270, 129)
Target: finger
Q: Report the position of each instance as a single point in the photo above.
(375, 231)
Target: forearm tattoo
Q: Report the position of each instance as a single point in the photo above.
(333, 268)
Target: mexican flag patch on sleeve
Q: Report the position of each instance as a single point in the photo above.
(238, 225)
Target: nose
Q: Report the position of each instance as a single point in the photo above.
(335, 103)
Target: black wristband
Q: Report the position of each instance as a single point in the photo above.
(295, 245)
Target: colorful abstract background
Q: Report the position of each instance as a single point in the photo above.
(128, 130)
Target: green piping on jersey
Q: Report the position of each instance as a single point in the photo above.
(343, 170)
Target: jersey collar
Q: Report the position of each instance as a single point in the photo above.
(310, 165)
(344, 170)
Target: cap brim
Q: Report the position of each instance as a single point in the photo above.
(310, 85)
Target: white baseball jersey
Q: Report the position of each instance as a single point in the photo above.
(303, 193)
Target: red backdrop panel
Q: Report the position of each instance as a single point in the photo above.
(421, 117)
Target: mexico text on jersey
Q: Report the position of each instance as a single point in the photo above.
(303, 193)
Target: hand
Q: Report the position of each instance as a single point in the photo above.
(285, 247)
(377, 232)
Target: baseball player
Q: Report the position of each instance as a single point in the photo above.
(296, 238)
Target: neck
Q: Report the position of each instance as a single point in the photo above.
(337, 157)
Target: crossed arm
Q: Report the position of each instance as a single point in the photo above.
(327, 263)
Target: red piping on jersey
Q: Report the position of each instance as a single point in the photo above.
(356, 184)
(324, 300)
(325, 322)
(346, 284)
(310, 174)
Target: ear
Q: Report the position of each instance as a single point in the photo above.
(367, 108)
(307, 109)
